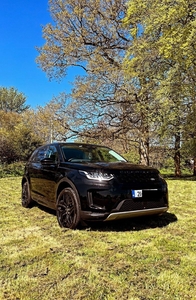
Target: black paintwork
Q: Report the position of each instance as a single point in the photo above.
(48, 171)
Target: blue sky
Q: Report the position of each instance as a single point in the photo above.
(21, 31)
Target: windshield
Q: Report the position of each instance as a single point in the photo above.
(90, 153)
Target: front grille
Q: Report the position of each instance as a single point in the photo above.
(129, 205)
(137, 176)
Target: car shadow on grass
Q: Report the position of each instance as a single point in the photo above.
(131, 224)
(134, 224)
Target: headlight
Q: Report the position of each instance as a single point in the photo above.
(97, 175)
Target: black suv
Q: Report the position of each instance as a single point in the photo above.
(85, 182)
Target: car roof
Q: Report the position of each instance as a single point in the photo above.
(74, 144)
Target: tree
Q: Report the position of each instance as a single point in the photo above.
(17, 137)
(12, 101)
(91, 35)
(7, 123)
(85, 33)
(189, 137)
(48, 118)
(163, 53)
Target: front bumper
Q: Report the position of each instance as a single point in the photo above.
(125, 209)
(136, 213)
(118, 202)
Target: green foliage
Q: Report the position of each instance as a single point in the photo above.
(162, 59)
(11, 170)
(17, 136)
(12, 101)
(147, 99)
(146, 258)
(25, 141)
(170, 28)
(189, 148)
(132, 156)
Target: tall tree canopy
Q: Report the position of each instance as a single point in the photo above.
(85, 33)
(146, 100)
(91, 34)
(164, 33)
(163, 52)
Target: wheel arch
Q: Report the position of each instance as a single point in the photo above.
(66, 183)
(26, 198)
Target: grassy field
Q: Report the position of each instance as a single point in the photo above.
(138, 259)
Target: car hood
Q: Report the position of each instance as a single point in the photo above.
(111, 166)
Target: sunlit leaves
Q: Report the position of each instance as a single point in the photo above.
(12, 101)
(162, 58)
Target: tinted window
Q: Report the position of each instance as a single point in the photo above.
(90, 153)
(39, 154)
(52, 153)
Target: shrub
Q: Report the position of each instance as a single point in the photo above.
(11, 170)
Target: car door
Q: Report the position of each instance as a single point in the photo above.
(35, 173)
(50, 176)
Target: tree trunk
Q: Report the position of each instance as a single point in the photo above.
(177, 155)
(144, 131)
(144, 151)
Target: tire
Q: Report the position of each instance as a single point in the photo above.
(68, 209)
(26, 196)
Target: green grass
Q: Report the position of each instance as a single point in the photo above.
(138, 259)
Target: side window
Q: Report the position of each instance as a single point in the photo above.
(39, 154)
(33, 155)
(52, 153)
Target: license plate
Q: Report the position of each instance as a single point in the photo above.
(136, 193)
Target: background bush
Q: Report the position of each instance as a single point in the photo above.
(10, 170)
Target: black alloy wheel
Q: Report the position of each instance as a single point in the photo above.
(68, 209)
(26, 197)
